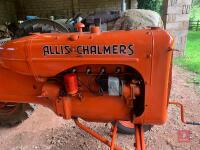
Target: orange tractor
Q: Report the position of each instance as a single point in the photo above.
(96, 76)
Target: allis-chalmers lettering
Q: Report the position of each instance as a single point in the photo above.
(89, 50)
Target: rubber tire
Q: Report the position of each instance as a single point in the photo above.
(17, 116)
(39, 26)
(125, 130)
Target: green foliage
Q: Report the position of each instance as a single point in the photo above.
(195, 10)
(154, 5)
(196, 3)
(195, 13)
(191, 59)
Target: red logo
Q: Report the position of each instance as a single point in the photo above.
(183, 135)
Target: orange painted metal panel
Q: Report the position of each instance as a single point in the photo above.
(26, 63)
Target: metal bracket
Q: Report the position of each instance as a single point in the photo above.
(99, 137)
(139, 136)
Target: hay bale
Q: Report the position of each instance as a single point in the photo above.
(138, 19)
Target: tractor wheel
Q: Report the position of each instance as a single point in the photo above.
(12, 114)
(39, 26)
(126, 127)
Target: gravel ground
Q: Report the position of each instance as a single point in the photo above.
(45, 131)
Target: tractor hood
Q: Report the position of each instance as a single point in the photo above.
(49, 54)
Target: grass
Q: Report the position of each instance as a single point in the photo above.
(191, 58)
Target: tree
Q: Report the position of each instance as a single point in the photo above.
(154, 5)
(196, 3)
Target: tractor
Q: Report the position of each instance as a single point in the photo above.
(113, 76)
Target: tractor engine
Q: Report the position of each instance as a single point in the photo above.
(97, 92)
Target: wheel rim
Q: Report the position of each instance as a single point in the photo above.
(7, 108)
(127, 124)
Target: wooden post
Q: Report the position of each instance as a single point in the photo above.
(197, 27)
(75, 7)
(164, 13)
(190, 24)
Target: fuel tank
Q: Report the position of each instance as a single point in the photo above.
(46, 55)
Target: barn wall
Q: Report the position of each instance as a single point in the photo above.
(91, 5)
(65, 8)
(44, 8)
(7, 11)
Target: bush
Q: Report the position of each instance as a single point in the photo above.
(154, 5)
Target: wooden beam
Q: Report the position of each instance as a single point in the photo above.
(75, 7)
(164, 13)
